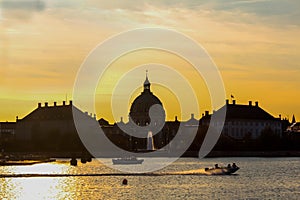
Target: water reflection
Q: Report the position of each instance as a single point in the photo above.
(45, 168)
(6, 188)
(36, 187)
(259, 178)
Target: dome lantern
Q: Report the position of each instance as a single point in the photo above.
(147, 83)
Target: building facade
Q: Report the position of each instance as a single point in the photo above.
(50, 127)
(245, 121)
(7, 128)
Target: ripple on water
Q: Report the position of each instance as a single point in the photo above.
(258, 178)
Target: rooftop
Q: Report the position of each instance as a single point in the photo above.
(55, 112)
(241, 111)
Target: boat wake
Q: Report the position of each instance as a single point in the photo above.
(195, 172)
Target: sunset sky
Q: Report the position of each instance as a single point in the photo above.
(254, 43)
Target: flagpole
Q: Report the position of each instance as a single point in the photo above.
(231, 97)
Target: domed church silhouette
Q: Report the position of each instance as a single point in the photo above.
(147, 109)
(148, 113)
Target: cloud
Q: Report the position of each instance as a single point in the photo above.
(65, 3)
(251, 40)
(20, 9)
(275, 12)
(29, 5)
(271, 12)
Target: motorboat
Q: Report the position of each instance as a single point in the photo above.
(127, 161)
(222, 170)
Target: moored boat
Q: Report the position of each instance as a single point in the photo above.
(127, 161)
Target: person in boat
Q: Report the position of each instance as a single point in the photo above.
(217, 166)
(234, 165)
(229, 166)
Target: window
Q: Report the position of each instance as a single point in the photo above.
(226, 131)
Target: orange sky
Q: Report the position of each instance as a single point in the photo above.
(255, 44)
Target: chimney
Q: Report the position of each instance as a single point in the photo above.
(233, 102)
(64, 103)
(192, 116)
(17, 118)
(256, 103)
(121, 119)
(54, 103)
(279, 116)
(39, 105)
(70, 102)
(250, 103)
(94, 116)
(176, 119)
(46, 104)
(206, 113)
(227, 101)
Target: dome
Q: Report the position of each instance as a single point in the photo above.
(143, 102)
(141, 108)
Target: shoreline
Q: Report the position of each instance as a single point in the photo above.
(40, 156)
(271, 154)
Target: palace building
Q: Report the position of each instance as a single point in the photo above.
(245, 120)
(54, 125)
(51, 126)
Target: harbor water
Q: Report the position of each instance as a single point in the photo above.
(258, 178)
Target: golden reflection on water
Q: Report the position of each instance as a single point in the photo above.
(6, 188)
(45, 168)
(36, 187)
(181, 180)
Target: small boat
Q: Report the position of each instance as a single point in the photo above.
(127, 161)
(222, 170)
